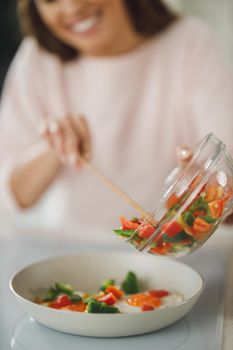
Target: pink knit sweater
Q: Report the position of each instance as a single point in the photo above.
(173, 89)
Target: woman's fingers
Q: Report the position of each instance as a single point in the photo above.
(184, 155)
(85, 138)
(57, 138)
(52, 132)
(72, 142)
(70, 138)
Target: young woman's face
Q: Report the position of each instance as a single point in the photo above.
(94, 27)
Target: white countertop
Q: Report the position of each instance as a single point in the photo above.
(21, 247)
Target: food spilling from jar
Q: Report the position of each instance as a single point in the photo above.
(183, 228)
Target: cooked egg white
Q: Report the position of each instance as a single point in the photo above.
(171, 300)
(125, 308)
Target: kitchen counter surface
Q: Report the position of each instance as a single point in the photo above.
(19, 248)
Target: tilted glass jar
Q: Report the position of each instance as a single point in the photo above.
(193, 205)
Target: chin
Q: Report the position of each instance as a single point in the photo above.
(93, 48)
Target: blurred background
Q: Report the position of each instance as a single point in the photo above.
(9, 35)
(217, 13)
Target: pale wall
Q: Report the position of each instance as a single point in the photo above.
(218, 13)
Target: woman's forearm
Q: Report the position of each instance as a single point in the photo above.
(33, 173)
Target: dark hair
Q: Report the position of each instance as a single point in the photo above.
(148, 18)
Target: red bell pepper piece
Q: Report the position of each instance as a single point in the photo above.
(172, 228)
(201, 225)
(108, 299)
(146, 307)
(216, 208)
(161, 248)
(61, 301)
(159, 293)
(199, 213)
(171, 201)
(127, 224)
(115, 291)
(146, 231)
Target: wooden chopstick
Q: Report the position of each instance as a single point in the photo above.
(115, 188)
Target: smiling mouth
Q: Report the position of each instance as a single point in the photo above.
(87, 24)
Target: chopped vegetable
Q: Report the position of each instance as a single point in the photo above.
(98, 307)
(48, 299)
(61, 301)
(127, 224)
(160, 248)
(208, 219)
(124, 233)
(146, 231)
(94, 306)
(201, 226)
(52, 293)
(58, 289)
(108, 299)
(181, 232)
(216, 208)
(189, 218)
(213, 192)
(111, 300)
(130, 283)
(115, 291)
(171, 201)
(106, 283)
(172, 228)
(180, 237)
(159, 293)
(75, 298)
(146, 307)
(200, 204)
(64, 288)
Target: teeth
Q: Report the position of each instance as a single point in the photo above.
(85, 25)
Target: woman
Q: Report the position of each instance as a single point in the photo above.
(143, 81)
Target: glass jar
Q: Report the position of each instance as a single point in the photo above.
(192, 205)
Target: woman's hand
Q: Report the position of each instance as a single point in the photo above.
(184, 155)
(69, 137)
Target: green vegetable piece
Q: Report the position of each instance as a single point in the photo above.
(200, 205)
(75, 298)
(189, 218)
(124, 233)
(180, 248)
(107, 309)
(97, 307)
(172, 210)
(48, 299)
(178, 238)
(107, 283)
(130, 283)
(208, 219)
(64, 288)
(169, 239)
(88, 299)
(94, 306)
(53, 293)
